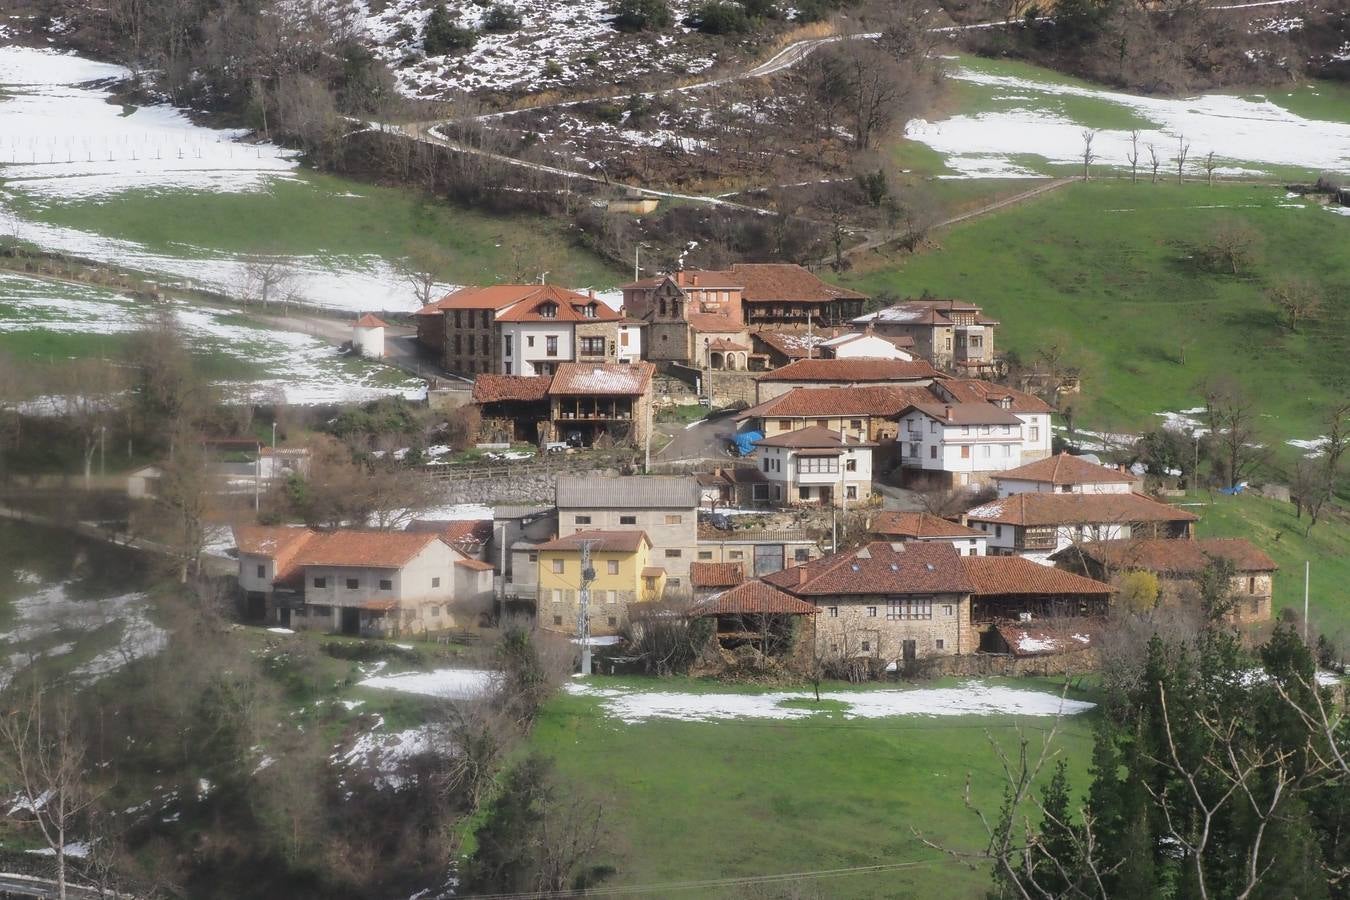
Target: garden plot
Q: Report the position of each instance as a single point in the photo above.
(970, 698)
(557, 45)
(290, 367)
(1023, 122)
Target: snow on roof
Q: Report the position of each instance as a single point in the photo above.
(602, 379)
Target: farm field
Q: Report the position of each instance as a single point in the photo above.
(756, 796)
(1108, 268)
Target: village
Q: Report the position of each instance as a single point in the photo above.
(863, 486)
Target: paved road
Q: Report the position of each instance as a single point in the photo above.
(704, 439)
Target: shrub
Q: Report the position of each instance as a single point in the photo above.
(719, 17)
(761, 9)
(501, 19)
(641, 15)
(553, 69)
(1138, 591)
(441, 35)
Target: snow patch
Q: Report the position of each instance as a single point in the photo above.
(455, 684)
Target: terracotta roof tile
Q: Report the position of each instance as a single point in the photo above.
(500, 296)
(369, 321)
(919, 525)
(1064, 468)
(475, 564)
(1178, 557)
(603, 541)
(602, 379)
(714, 323)
(1003, 575)
(368, 549)
(878, 568)
(812, 437)
(853, 370)
(1076, 509)
(465, 535)
(564, 310)
(967, 413)
(766, 282)
(977, 390)
(499, 388)
(874, 400)
(791, 344)
(753, 598)
(281, 544)
(712, 575)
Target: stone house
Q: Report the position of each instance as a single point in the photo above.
(1009, 590)
(894, 602)
(1178, 564)
(513, 407)
(665, 508)
(1038, 525)
(892, 525)
(816, 466)
(954, 335)
(593, 402)
(1064, 474)
(623, 574)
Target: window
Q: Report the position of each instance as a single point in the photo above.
(965, 451)
(833, 611)
(933, 427)
(353, 584)
(506, 345)
(557, 620)
(867, 646)
(784, 424)
(673, 554)
(851, 492)
(262, 571)
(386, 584)
(435, 610)
(932, 452)
(871, 612)
(766, 464)
(612, 566)
(947, 345)
(855, 424)
(627, 520)
(986, 450)
(813, 465)
(623, 338)
(1007, 451)
(1034, 433)
(803, 493)
(735, 554)
(705, 554)
(612, 621)
(984, 429)
(759, 492)
(1007, 429)
(911, 608)
(611, 597)
(321, 582)
(998, 531)
(457, 350)
(436, 582)
(593, 346)
(965, 429)
(557, 567)
(850, 465)
(1251, 584)
(487, 317)
(941, 643)
(946, 609)
(583, 520)
(672, 582)
(534, 557)
(456, 318)
(674, 520)
(823, 423)
(551, 345)
(529, 341)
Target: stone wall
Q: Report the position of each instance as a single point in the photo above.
(507, 487)
(1004, 665)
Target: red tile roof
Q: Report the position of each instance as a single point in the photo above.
(602, 379)
(712, 575)
(919, 525)
(874, 400)
(365, 549)
(915, 567)
(281, 544)
(714, 323)
(753, 598)
(1004, 575)
(853, 370)
(500, 296)
(1175, 557)
(811, 437)
(967, 413)
(602, 541)
(1066, 469)
(726, 344)
(1076, 509)
(791, 344)
(500, 388)
(976, 390)
(369, 321)
(564, 310)
(1037, 640)
(475, 564)
(766, 282)
(466, 535)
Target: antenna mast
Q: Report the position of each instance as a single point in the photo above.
(584, 612)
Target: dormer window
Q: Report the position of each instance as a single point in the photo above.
(548, 311)
(589, 311)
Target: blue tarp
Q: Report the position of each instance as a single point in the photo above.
(745, 441)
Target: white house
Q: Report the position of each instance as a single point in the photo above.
(815, 465)
(958, 444)
(866, 345)
(1064, 474)
(368, 336)
(1037, 525)
(535, 347)
(1032, 410)
(629, 347)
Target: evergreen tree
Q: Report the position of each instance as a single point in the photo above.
(1059, 866)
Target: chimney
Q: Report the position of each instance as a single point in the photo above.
(693, 279)
(590, 292)
(949, 412)
(801, 575)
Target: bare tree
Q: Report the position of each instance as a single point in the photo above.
(1088, 156)
(1297, 297)
(89, 395)
(1134, 156)
(268, 278)
(1232, 419)
(1183, 149)
(1210, 165)
(181, 501)
(1233, 246)
(1154, 161)
(422, 267)
(42, 755)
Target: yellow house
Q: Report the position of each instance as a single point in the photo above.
(623, 575)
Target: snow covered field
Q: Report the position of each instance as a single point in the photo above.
(297, 368)
(449, 684)
(62, 141)
(971, 698)
(1043, 118)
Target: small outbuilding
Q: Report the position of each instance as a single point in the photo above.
(368, 336)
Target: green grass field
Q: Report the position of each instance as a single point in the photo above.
(741, 797)
(311, 213)
(1107, 267)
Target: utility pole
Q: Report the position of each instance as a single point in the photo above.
(647, 443)
(584, 613)
(274, 437)
(102, 458)
(810, 346)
